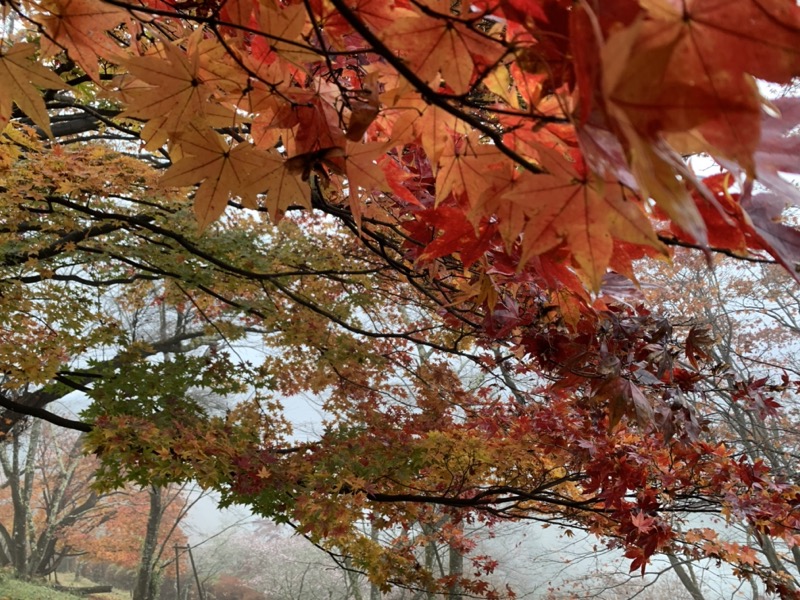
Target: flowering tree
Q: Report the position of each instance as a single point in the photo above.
(276, 563)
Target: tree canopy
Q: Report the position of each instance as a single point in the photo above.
(432, 214)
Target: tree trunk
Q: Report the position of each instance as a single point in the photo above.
(374, 590)
(43, 553)
(456, 571)
(146, 587)
(686, 579)
(19, 472)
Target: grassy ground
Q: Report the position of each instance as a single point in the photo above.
(14, 589)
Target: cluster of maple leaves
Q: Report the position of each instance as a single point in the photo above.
(507, 161)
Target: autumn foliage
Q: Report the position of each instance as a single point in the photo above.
(460, 196)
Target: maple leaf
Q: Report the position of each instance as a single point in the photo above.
(224, 170)
(642, 522)
(430, 125)
(625, 398)
(318, 128)
(175, 92)
(81, 27)
(780, 240)
(18, 76)
(364, 175)
(680, 76)
(582, 211)
(458, 235)
(699, 342)
(284, 187)
(441, 44)
(239, 12)
(283, 27)
(726, 222)
(778, 149)
(377, 14)
(363, 111)
(701, 29)
(464, 168)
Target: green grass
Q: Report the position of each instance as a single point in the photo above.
(14, 589)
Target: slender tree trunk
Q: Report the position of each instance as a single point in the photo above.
(352, 583)
(430, 555)
(146, 587)
(456, 571)
(43, 553)
(19, 531)
(686, 579)
(374, 591)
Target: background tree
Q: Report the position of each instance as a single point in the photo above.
(147, 523)
(269, 559)
(50, 512)
(747, 316)
(46, 493)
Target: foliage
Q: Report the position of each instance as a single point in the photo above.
(227, 587)
(753, 327)
(115, 543)
(458, 195)
(603, 585)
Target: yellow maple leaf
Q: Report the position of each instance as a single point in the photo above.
(18, 76)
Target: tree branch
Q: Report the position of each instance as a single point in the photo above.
(45, 415)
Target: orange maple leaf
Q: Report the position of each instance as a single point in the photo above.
(464, 167)
(283, 186)
(691, 67)
(284, 27)
(377, 14)
(568, 206)
(440, 43)
(224, 170)
(81, 28)
(176, 91)
(364, 175)
(18, 76)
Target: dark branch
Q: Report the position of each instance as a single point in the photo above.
(45, 415)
